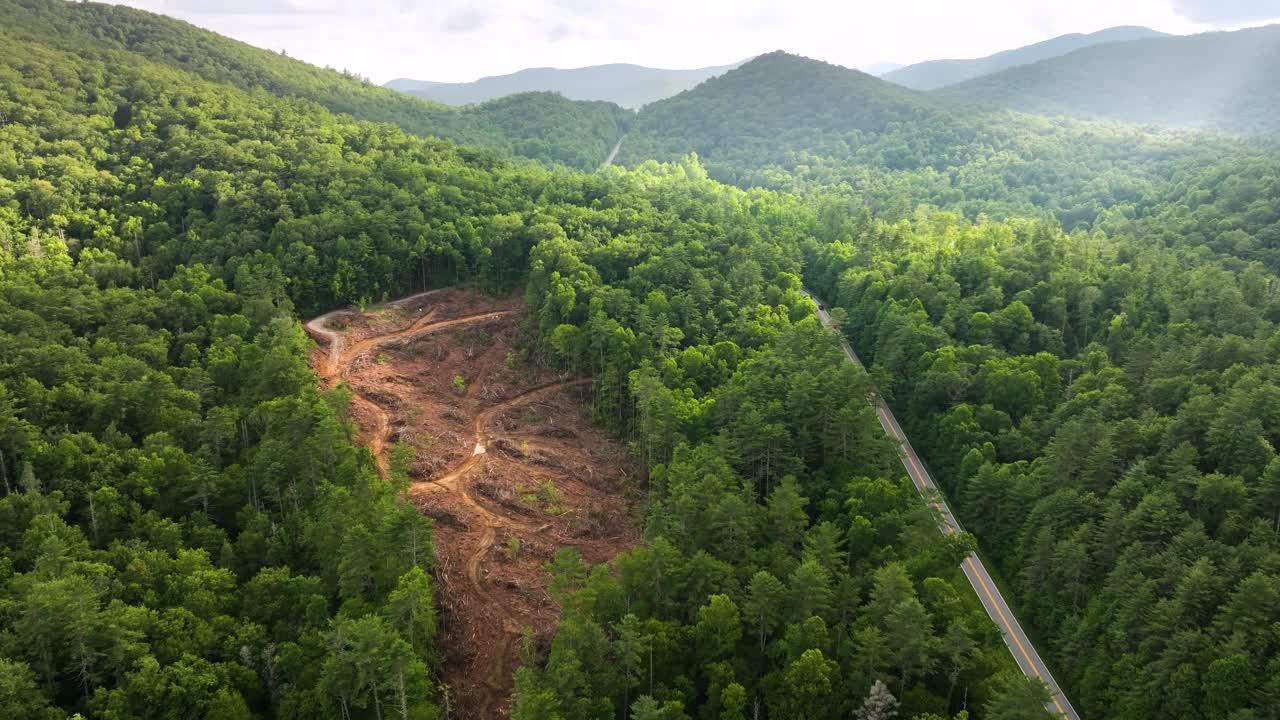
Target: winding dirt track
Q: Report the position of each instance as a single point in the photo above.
(340, 357)
(337, 365)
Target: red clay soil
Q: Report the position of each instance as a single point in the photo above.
(506, 461)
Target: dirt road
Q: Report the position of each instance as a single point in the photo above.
(532, 475)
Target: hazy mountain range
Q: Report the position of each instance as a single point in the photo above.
(630, 86)
(940, 73)
(633, 86)
(1220, 80)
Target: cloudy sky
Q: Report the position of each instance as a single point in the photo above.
(458, 40)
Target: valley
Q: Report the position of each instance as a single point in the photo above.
(574, 445)
(503, 457)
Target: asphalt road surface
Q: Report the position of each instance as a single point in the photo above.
(613, 153)
(1023, 651)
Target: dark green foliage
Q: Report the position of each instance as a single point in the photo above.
(1104, 411)
(788, 564)
(188, 532)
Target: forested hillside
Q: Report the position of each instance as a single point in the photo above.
(774, 105)
(541, 126)
(852, 141)
(934, 74)
(1078, 324)
(1096, 402)
(188, 531)
(1221, 80)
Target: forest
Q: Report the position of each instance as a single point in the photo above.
(1077, 323)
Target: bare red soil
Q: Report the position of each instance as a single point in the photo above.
(506, 461)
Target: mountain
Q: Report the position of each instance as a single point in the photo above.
(1219, 80)
(940, 73)
(771, 106)
(630, 86)
(538, 125)
(881, 68)
(790, 124)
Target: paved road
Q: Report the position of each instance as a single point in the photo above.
(1014, 637)
(614, 152)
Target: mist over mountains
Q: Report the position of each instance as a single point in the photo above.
(629, 86)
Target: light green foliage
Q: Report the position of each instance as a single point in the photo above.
(187, 531)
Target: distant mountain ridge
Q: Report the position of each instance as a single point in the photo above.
(1216, 80)
(630, 86)
(935, 74)
(881, 68)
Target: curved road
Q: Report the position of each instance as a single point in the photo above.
(1019, 644)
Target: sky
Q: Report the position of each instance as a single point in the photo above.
(458, 41)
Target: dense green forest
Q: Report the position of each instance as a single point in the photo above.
(1083, 343)
(188, 531)
(1104, 412)
(789, 563)
(543, 126)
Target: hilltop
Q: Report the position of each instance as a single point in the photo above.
(772, 106)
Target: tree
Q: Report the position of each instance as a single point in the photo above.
(411, 610)
(909, 632)
(956, 648)
(1018, 697)
(733, 702)
(763, 607)
(633, 645)
(806, 687)
(19, 694)
(533, 701)
(370, 667)
(718, 629)
(879, 705)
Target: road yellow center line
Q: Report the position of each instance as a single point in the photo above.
(1008, 627)
(917, 475)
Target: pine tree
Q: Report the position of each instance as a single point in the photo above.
(879, 705)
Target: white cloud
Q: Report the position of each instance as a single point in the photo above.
(458, 40)
(1228, 12)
